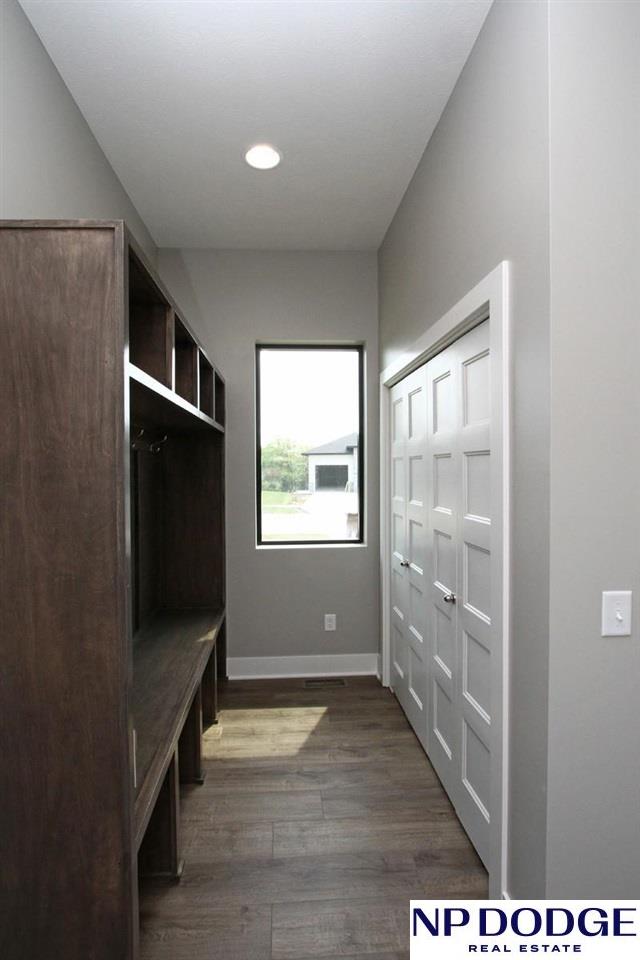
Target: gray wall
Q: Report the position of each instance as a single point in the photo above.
(594, 743)
(277, 597)
(51, 165)
(480, 195)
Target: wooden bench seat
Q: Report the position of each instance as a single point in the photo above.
(174, 666)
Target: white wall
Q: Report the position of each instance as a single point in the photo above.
(593, 847)
(51, 166)
(277, 596)
(479, 196)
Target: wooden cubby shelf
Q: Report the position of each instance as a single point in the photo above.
(219, 399)
(162, 406)
(186, 364)
(150, 324)
(164, 354)
(206, 392)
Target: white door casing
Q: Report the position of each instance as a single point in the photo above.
(481, 621)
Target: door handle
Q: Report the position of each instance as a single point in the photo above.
(404, 563)
(449, 598)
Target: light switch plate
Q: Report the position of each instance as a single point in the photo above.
(330, 621)
(616, 613)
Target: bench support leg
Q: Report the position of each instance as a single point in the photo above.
(210, 691)
(190, 744)
(159, 855)
(221, 651)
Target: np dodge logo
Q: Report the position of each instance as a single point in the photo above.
(447, 929)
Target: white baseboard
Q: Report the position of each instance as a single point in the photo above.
(329, 665)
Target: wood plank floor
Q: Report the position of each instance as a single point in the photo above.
(319, 819)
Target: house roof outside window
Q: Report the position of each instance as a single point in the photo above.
(336, 447)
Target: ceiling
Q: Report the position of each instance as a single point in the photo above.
(175, 91)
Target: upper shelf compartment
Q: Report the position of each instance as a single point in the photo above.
(153, 404)
(186, 364)
(150, 325)
(219, 399)
(172, 380)
(206, 385)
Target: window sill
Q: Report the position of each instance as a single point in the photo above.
(310, 546)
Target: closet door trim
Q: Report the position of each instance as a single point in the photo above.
(489, 300)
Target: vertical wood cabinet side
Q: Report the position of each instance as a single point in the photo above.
(170, 349)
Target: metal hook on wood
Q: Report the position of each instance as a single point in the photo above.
(138, 437)
(157, 444)
(141, 443)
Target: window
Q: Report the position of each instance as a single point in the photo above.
(310, 454)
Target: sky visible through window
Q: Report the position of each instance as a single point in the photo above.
(309, 399)
(309, 396)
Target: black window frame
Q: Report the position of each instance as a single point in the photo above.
(352, 541)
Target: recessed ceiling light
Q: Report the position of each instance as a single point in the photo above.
(262, 156)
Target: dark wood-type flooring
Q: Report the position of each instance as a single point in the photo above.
(320, 818)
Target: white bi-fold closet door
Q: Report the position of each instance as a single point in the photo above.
(440, 569)
(409, 575)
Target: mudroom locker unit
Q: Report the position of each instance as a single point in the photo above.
(113, 579)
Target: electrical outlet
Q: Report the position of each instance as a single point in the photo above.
(330, 621)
